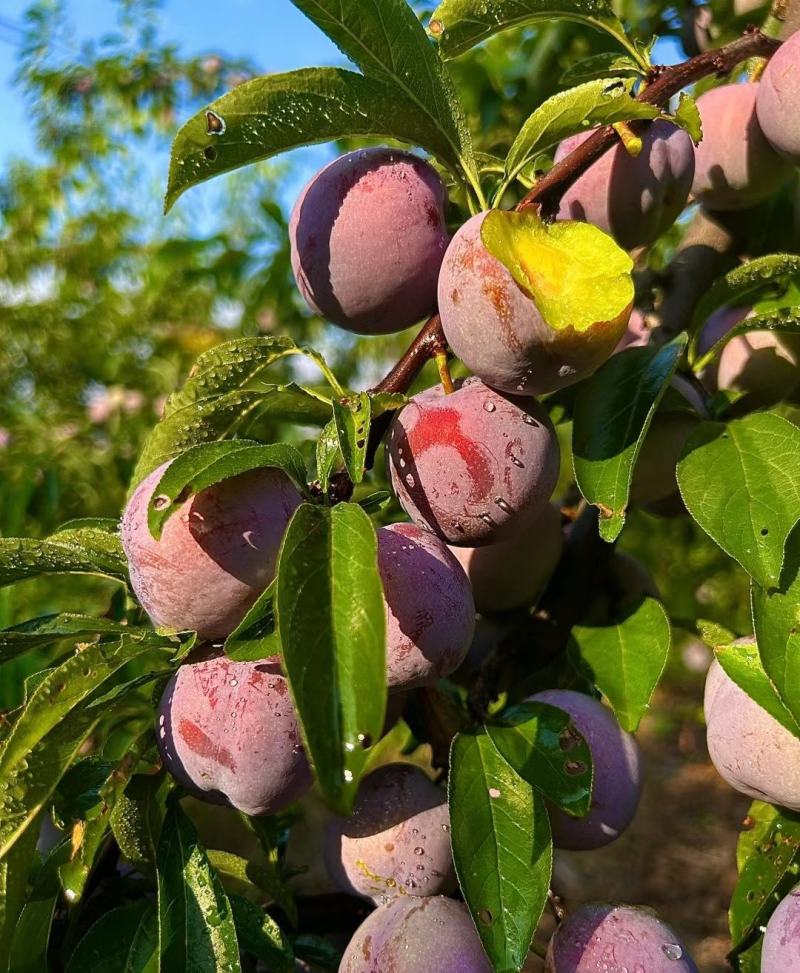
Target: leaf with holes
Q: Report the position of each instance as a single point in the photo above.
(352, 416)
(543, 745)
(769, 858)
(502, 848)
(625, 661)
(741, 484)
(331, 624)
(278, 112)
(613, 411)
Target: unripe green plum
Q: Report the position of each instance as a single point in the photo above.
(496, 329)
(512, 573)
(216, 553)
(735, 166)
(634, 199)
(412, 935)
(228, 732)
(750, 749)
(368, 236)
(780, 952)
(430, 612)
(778, 102)
(617, 780)
(617, 939)
(397, 840)
(473, 466)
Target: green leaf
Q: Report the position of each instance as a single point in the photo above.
(223, 389)
(782, 320)
(31, 938)
(137, 818)
(51, 729)
(459, 25)
(769, 858)
(387, 41)
(626, 660)
(331, 622)
(741, 661)
(89, 834)
(123, 940)
(83, 550)
(195, 922)
(261, 936)
(543, 745)
(741, 484)
(14, 873)
(352, 416)
(318, 951)
(577, 275)
(272, 114)
(739, 286)
(687, 116)
(613, 411)
(38, 632)
(328, 454)
(255, 881)
(204, 465)
(565, 113)
(256, 636)
(502, 848)
(605, 65)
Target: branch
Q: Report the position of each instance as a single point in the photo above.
(665, 83)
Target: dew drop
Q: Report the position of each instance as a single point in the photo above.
(504, 505)
(489, 406)
(419, 851)
(672, 951)
(161, 502)
(494, 792)
(528, 420)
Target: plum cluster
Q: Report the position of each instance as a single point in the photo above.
(473, 465)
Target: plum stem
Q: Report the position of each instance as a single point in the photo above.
(632, 142)
(444, 372)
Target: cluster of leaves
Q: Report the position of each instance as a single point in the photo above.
(80, 748)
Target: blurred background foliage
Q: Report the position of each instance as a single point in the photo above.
(104, 303)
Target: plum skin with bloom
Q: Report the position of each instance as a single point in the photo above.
(634, 199)
(430, 612)
(368, 236)
(411, 934)
(750, 749)
(228, 732)
(781, 947)
(496, 329)
(396, 841)
(216, 554)
(778, 102)
(617, 779)
(735, 166)
(632, 938)
(472, 466)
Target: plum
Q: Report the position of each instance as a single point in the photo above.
(430, 613)
(780, 952)
(495, 327)
(778, 101)
(512, 573)
(617, 782)
(617, 939)
(228, 732)
(637, 334)
(216, 553)
(750, 749)
(473, 466)
(368, 236)
(411, 935)
(735, 166)
(397, 840)
(633, 199)
(762, 365)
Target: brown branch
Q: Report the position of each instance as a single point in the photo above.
(665, 83)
